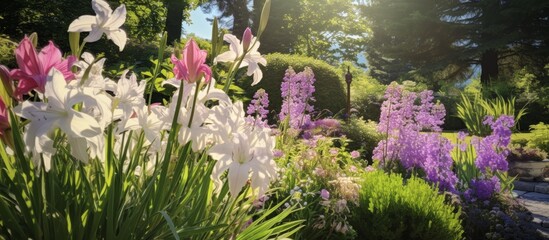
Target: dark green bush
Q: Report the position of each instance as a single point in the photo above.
(363, 135)
(329, 93)
(390, 209)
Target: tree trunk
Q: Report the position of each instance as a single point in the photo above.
(174, 19)
(489, 66)
(241, 17)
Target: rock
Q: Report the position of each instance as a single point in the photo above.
(542, 188)
(540, 197)
(545, 224)
(524, 186)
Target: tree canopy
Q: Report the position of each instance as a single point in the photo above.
(444, 39)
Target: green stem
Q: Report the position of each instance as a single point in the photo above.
(194, 103)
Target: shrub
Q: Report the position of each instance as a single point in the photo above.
(522, 154)
(391, 209)
(331, 92)
(322, 180)
(540, 138)
(502, 218)
(362, 135)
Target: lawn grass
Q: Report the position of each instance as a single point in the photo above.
(452, 136)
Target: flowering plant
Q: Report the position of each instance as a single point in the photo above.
(84, 156)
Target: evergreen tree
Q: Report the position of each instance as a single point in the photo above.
(445, 38)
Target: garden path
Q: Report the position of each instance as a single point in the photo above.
(535, 197)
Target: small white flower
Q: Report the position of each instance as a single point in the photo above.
(237, 50)
(129, 95)
(95, 75)
(105, 21)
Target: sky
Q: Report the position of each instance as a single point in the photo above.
(199, 26)
(203, 29)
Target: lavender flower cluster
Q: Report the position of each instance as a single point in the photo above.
(258, 109)
(492, 150)
(412, 125)
(297, 92)
(402, 120)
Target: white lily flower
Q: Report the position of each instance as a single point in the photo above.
(58, 112)
(151, 122)
(95, 76)
(199, 131)
(237, 50)
(247, 155)
(105, 21)
(129, 95)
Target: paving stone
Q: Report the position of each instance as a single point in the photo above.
(542, 188)
(524, 186)
(540, 197)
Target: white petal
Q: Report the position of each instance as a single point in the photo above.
(228, 56)
(79, 149)
(252, 67)
(56, 89)
(94, 35)
(88, 57)
(258, 75)
(78, 124)
(235, 45)
(238, 176)
(117, 18)
(102, 9)
(118, 37)
(82, 24)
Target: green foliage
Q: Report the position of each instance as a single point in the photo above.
(7, 48)
(362, 135)
(329, 93)
(523, 154)
(123, 197)
(307, 168)
(145, 18)
(540, 136)
(473, 112)
(391, 208)
(314, 28)
(441, 39)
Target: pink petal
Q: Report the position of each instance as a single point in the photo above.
(49, 56)
(27, 59)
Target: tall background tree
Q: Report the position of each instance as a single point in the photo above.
(444, 39)
(330, 30)
(236, 11)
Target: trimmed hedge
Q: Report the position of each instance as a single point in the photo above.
(329, 86)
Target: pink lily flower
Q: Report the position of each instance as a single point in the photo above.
(192, 67)
(34, 68)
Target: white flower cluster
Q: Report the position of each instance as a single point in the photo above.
(83, 109)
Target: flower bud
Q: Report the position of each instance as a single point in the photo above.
(247, 39)
(6, 81)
